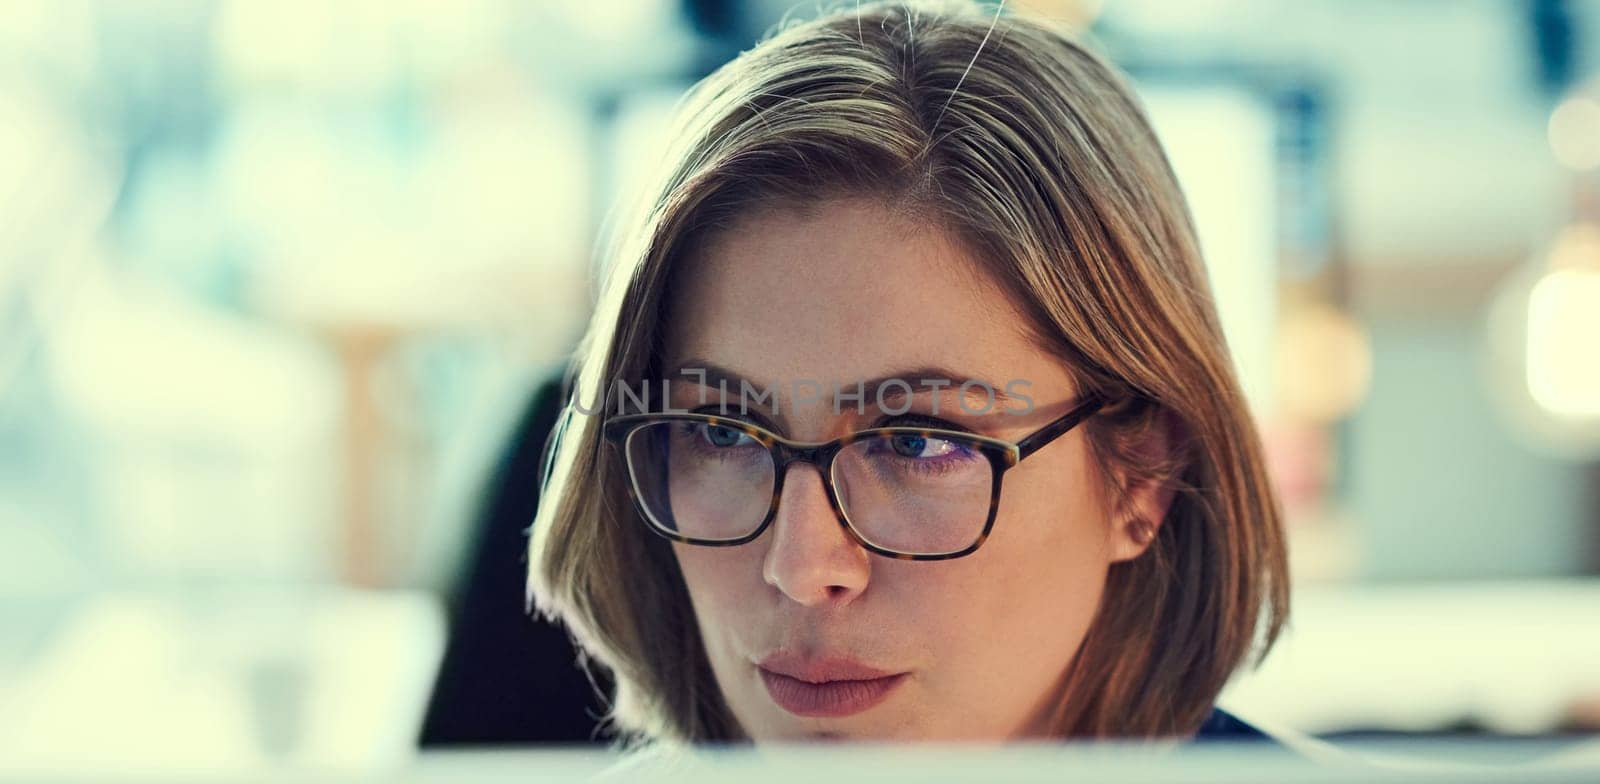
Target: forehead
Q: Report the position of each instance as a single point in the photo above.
(845, 290)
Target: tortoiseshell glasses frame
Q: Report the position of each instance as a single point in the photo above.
(784, 452)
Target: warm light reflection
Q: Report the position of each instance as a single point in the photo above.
(1542, 324)
(1323, 364)
(1563, 327)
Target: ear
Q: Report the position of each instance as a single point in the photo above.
(1146, 484)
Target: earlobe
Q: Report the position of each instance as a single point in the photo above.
(1141, 532)
(1133, 538)
(1149, 491)
(1140, 518)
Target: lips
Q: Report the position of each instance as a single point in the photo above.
(825, 686)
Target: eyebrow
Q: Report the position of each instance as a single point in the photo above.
(716, 376)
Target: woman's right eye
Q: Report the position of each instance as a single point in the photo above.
(720, 436)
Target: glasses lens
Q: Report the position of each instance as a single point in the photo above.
(914, 493)
(700, 480)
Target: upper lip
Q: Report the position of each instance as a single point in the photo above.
(821, 669)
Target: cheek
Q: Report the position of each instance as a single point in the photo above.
(725, 588)
(714, 575)
(1054, 508)
(1010, 617)
(1051, 535)
(1052, 540)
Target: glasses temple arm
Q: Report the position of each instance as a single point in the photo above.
(1044, 435)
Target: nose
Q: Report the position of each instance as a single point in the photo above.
(812, 559)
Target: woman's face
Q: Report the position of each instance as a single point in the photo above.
(849, 291)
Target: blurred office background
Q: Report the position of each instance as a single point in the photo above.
(280, 283)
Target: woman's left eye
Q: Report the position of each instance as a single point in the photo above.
(921, 447)
(926, 451)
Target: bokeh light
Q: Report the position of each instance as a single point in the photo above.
(1575, 132)
(1564, 328)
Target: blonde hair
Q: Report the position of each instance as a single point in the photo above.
(1034, 151)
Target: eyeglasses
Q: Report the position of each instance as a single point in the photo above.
(908, 493)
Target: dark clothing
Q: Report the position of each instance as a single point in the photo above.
(1224, 726)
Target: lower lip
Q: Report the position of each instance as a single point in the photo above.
(835, 698)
